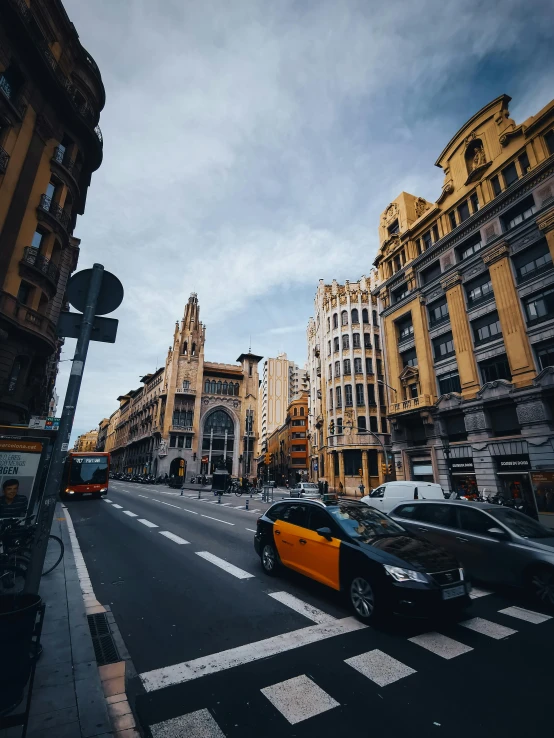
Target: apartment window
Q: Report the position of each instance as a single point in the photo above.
(365, 316)
(519, 213)
(328, 324)
(463, 211)
(339, 396)
(355, 318)
(360, 395)
(474, 200)
(376, 341)
(335, 344)
(38, 238)
(344, 317)
(337, 368)
(300, 422)
(438, 312)
(384, 428)
(400, 293)
(373, 426)
(431, 273)
(405, 329)
(369, 365)
(540, 306)
(532, 262)
(496, 186)
(449, 383)
(486, 329)
(381, 392)
(413, 391)
(328, 348)
(479, 290)
(345, 342)
(339, 426)
(504, 420)
(435, 233)
(427, 240)
(172, 441)
(375, 319)
(356, 340)
(346, 367)
(371, 394)
(367, 340)
(549, 141)
(452, 216)
(409, 358)
(331, 399)
(25, 293)
(393, 228)
(11, 81)
(545, 354)
(379, 368)
(358, 366)
(348, 395)
(443, 346)
(361, 422)
(524, 164)
(469, 247)
(335, 320)
(418, 246)
(180, 441)
(330, 371)
(510, 174)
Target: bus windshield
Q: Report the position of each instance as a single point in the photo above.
(88, 470)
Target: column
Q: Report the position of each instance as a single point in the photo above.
(512, 322)
(210, 451)
(330, 475)
(425, 362)
(546, 226)
(467, 366)
(365, 471)
(341, 471)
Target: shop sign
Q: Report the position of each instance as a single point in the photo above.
(462, 465)
(513, 463)
(19, 462)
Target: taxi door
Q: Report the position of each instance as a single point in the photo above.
(319, 557)
(287, 533)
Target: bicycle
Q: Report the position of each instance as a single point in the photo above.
(16, 540)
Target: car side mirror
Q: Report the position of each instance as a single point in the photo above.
(498, 533)
(325, 533)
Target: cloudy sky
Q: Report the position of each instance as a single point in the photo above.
(250, 147)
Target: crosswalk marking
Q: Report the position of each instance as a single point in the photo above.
(216, 662)
(199, 724)
(308, 611)
(299, 699)
(130, 514)
(379, 667)
(476, 593)
(488, 628)
(225, 565)
(147, 523)
(440, 644)
(529, 615)
(119, 507)
(172, 537)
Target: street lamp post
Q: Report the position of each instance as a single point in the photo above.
(446, 452)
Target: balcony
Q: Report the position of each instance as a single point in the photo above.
(60, 215)
(72, 166)
(181, 429)
(185, 391)
(34, 259)
(29, 320)
(415, 403)
(356, 439)
(4, 160)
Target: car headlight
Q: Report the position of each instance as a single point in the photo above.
(104, 489)
(69, 491)
(462, 574)
(405, 575)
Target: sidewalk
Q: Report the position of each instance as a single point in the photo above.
(68, 696)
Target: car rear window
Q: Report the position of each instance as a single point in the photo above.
(276, 512)
(444, 515)
(406, 511)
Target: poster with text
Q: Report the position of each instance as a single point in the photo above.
(19, 463)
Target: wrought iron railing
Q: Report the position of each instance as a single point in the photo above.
(57, 212)
(34, 258)
(411, 404)
(61, 157)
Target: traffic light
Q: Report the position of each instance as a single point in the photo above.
(332, 427)
(389, 469)
(384, 469)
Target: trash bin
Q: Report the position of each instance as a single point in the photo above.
(17, 622)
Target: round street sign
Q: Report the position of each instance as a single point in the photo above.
(109, 299)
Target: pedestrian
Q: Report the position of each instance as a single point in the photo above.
(341, 488)
(320, 486)
(325, 487)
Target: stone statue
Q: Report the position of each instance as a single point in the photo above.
(478, 157)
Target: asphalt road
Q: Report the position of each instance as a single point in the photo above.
(223, 650)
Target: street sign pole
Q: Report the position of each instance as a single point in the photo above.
(61, 445)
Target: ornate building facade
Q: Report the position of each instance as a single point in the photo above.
(87, 441)
(348, 427)
(190, 415)
(466, 299)
(288, 445)
(51, 95)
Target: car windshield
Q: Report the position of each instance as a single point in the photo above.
(521, 524)
(364, 523)
(310, 486)
(88, 470)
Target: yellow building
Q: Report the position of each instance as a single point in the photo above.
(466, 303)
(51, 95)
(86, 441)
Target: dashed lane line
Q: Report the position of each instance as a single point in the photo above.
(251, 530)
(488, 628)
(119, 507)
(441, 645)
(218, 520)
(130, 514)
(528, 615)
(144, 496)
(173, 537)
(225, 565)
(106, 500)
(147, 523)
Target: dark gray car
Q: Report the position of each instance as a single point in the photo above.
(494, 543)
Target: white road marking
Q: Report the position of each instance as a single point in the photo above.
(251, 530)
(172, 537)
(199, 724)
(476, 592)
(130, 514)
(168, 504)
(254, 511)
(119, 507)
(147, 523)
(225, 504)
(299, 699)
(379, 667)
(238, 507)
(225, 565)
(106, 500)
(529, 615)
(190, 511)
(446, 648)
(488, 628)
(218, 520)
(310, 612)
(205, 665)
(145, 497)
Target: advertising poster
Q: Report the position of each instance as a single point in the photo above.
(543, 484)
(19, 463)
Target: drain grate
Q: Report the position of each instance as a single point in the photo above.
(104, 647)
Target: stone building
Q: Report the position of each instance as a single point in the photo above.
(102, 437)
(86, 441)
(51, 95)
(466, 299)
(288, 445)
(348, 415)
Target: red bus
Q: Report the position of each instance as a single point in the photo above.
(85, 474)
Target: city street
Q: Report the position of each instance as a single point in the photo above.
(221, 649)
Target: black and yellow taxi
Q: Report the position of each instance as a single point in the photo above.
(358, 550)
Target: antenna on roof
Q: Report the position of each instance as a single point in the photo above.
(250, 344)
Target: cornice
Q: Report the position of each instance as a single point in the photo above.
(496, 253)
(545, 221)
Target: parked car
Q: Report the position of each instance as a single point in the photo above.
(388, 495)
(358, 550)
(304, 489)
(495, 544)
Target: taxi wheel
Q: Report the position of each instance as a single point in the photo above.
(541, 582)
(363, 598)
(269, 559)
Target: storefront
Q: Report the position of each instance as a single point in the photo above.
(422, 469)
(542, 483)
(513, 475)
(462, 473)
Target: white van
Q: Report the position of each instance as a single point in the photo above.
(388, 495)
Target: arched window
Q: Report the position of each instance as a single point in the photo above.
(335, 321)
(338, 391)
(185, 347)
(193, 350)
(356, 340)
(355, 318)
(301, 411)
(213, 387)
(225, 385)
(207, 386)
(365, 315)
(230, 389)
(186, 384)
(344, 317)
(219, 387)
(345, 342)
(295, 412)
(375, 321)
(236, 388)
(220, 422)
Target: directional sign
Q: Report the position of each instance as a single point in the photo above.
(109, 299)
(103, 329)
